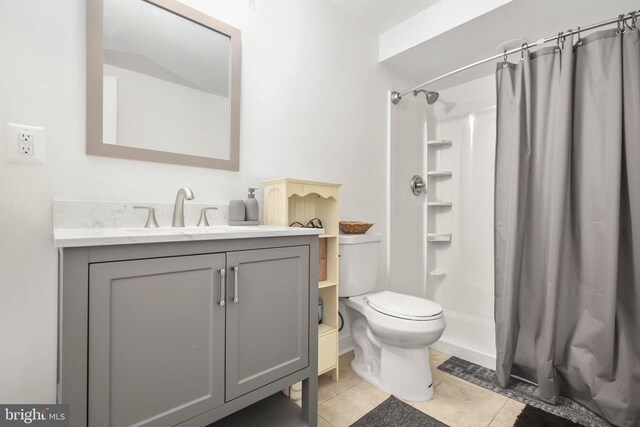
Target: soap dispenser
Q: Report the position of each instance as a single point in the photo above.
(251, 206)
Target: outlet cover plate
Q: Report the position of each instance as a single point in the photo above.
(14, 147)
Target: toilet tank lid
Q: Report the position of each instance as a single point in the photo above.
(354, 239)
(404, 306)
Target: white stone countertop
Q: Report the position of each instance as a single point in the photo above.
(83, 237)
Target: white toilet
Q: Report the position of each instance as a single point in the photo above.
(390, 331)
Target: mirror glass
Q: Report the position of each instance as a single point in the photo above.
(165, 81)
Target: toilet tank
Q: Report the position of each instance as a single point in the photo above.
(359, 259)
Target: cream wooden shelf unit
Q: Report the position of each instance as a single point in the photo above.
(289, 200)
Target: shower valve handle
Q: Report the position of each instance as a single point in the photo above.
(418, 186)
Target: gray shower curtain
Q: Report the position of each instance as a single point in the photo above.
(567, 223)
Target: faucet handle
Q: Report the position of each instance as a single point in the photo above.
(202, 222)
(151, 219)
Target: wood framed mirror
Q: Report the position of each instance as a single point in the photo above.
(163, 84)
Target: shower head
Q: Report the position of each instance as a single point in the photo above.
(431, 96)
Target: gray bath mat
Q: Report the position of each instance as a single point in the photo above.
(394, 413)
(522, 392)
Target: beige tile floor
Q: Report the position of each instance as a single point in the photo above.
(457, 402)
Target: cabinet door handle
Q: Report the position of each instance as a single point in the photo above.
(235, 284)
(223, 285)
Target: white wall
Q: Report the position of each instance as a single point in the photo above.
(313, 106)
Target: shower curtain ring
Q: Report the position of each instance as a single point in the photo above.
(560, 41)
(525, 46)
(632, 17)
(504, 61)
(620, 24)
(579, 38)
(568, 33)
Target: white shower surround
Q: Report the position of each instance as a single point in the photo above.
(464, 114)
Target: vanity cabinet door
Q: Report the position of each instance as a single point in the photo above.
(156, 340)
(267, 316)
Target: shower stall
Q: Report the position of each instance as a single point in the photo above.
(515, 198)
(441, 239)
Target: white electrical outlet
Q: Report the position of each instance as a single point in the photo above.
(25, 143)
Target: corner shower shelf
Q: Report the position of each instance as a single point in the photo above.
(439, 173)
(443, 204)
(438, 272)
(439, 237)
(439, 142)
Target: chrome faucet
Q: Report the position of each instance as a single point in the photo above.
(178, 208)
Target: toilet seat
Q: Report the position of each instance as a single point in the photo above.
(404, 306)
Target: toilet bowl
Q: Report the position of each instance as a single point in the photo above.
(390, 331)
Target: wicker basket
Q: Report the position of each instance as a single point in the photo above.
(355, 227)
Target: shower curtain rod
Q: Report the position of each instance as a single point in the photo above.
(620, 20)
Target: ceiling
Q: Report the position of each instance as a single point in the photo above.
(479, 38)
(383, 14)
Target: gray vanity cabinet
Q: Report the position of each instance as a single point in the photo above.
(267, 316)
(186, 333)
(156, 340)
